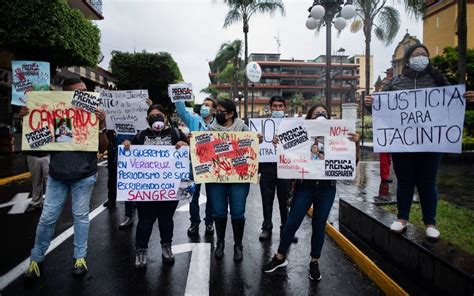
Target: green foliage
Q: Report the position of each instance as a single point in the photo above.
(447, 63)
(48, 30)
(454, 223)
(212, 92)
(152, 71)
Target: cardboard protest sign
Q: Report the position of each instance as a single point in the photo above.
(316, 150)
(125, 110)
(86, 101)
(267, 127)
(28, 76)
(180, 92)
(419, 120)
(53, 124)
(151, 173)
(224, 157)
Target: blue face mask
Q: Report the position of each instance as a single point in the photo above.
(205, 111)
(278, 114)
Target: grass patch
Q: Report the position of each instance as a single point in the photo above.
(455, 223)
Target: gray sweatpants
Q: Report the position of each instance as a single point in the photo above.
(39, 169)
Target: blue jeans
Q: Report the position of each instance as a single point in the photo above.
(56, 195)
(420, 170)
(319, 193)
(224, 194)
(194, 208)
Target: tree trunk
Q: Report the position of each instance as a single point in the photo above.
(462, 41)
(368, 39)
(246, 30)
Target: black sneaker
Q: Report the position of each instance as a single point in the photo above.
(210, 229)
(193, 230)
(167, 253)
(80, 266)
(265, 235)
(275, 264)
(34, 270)
(314, 273)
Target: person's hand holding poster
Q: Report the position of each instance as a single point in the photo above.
(152, 173)
(180, 92)
(316, 150)
(28, 76)
(419, 120)
(224, 157)
(53, 124)
(125, 110)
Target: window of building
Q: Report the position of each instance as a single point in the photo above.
(357, 61)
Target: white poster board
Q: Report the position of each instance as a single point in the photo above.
(180, 92)
(151, 173)
(316, 150)
(125, 110)
(267, 127)
(419, 120)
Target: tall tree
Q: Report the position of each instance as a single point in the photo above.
(229, 53)
(144, 70)
(381, 19)
(242, 11)
(48, 30)
(462, 40)
(447, 63)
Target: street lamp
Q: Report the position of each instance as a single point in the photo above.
(341, 51)
(326, 10)
(240, 98)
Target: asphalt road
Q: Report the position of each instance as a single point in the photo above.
(111, 258)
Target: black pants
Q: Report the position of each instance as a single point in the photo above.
(112, 168)
(268, 183)
(148, 212)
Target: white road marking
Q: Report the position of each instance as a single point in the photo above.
(199, 268)
(185, 207)
(16, 272)
(19, 202)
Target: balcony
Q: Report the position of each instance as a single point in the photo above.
(92, 9)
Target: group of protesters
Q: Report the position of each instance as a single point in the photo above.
(76, 173)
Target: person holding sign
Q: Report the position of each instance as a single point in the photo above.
(72, 172)
(320, 194)
(223, 195)
(269, 182)
(159, 133)
(199, 122)
(417, 169)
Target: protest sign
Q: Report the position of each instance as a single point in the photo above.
(28, 76)
(180, 92)
(419, 120)
(125, 110)
(151, 172)
(267, 127)
(53, 124)
(86, 101)
(316, 150)
(224, 157)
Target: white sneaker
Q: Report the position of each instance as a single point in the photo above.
(398, 226)
(432, 232)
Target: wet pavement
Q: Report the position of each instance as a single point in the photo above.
(111, 258)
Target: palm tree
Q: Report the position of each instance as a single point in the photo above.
(230, 53)
(243, 10)
(462, 40)
(384, 20)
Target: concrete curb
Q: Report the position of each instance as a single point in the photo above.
(382, 280)
(8, 180)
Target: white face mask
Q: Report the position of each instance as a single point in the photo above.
(185, 131)
(418, 63)
(320, 118)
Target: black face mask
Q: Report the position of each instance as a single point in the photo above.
(220, 117)
(153, 119)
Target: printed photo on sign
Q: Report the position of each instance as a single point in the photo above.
(28, 76)
(70, 128)
(153, 173)
(316, 150)
(224, 157)
(63, 130)
(420, 120)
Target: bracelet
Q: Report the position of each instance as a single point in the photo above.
(103, 130)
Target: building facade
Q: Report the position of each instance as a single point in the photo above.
(440, 27)
(359, 59)
(301, 82)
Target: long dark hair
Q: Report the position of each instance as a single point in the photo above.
(309, 115)
(438, 78)
(229, 106)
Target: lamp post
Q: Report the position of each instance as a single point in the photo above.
(326, 10)
(240, 98)
(341, 51)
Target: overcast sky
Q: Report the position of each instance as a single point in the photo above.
(191, 31)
